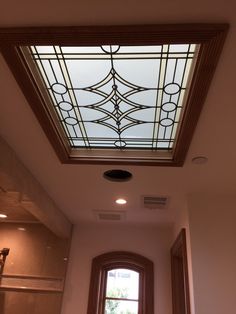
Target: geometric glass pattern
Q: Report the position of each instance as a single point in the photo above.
(125, 97)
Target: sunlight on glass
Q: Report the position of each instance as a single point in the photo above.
(121, 97)
(121, 307)
(122, 292)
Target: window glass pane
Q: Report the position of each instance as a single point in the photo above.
(138, 49)
(139, 72)
(114, 94)
(121, 307)
(122, 283)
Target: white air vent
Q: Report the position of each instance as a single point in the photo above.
(109, 215)
(155, 202)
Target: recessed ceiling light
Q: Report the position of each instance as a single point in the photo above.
(121, 201)
(199, 160)
(21, 229)
(3, 216)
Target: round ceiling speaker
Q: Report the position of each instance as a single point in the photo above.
(117, 175)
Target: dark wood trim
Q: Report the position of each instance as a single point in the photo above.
(179, 275)
(113, 34)
(34, 98)
(211, 37)
(102, 263)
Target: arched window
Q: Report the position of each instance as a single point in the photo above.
(121, 283)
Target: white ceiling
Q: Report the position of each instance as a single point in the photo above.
(79, 189)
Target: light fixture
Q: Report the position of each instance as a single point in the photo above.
(121, 201)
(3, 216)
(21, 229)
(199, 160)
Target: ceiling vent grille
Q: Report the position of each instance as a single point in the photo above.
(109, 215)
(155, 202)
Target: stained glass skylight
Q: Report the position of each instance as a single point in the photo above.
(117, 97)
(128, 94)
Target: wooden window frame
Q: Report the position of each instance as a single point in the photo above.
(211, 38)
(113, 260)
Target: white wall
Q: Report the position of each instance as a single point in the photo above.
(93, 240)
(212, 222)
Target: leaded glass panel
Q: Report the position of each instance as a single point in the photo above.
(129, 97)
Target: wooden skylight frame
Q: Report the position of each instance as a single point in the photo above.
(209, 37)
